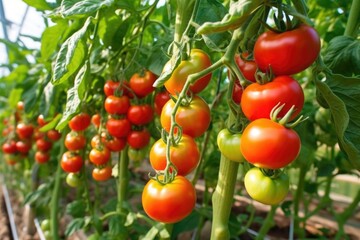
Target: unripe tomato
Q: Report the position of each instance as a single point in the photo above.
(268, 144)
(171, 202)
(265, 189)
(80, 122)
(229, 145)
(194, 118)
(136, 155)
(288, 52)
(142, 85)
(258, 100)
(198, 61)
(185, 155)
(73, 180)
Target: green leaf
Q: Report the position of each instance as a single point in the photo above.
(75, 225)
(81, 8)
(342, 95)
(75, 95)
(343, 56)
(310, 187)
(41, 5)
(51, 37)
(167, 74)
(76, 208)
(71, 55)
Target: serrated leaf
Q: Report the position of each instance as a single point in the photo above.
(75, 225)
(50, 39)
(76, 208)
(71, 55)
(81, 8)
(343, 56)
(41, 5)
(342, 95)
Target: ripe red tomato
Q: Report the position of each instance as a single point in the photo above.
(37, 134)
(289, 52)
(142, 85)
(258, 100)
(118, 127)
(171, 202)
(20, 106)
(117, 105)
(237, 93)
(24, 131)
(185, 156)
(42, 157)
(74, 141)
(102, 174)
(198, 61)
(138, 139)
(194, 118)
(111, 87)
(23, 146)
(114, 144)
(99, 155)
(80, 122)
(9, 147)
(159, 101)
(96, 120)
(71, 162)
(247, 67)
(279, 145)
(43, 145)
(53, 135)
(140, 114)
(41, 120)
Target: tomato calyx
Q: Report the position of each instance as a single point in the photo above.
(284, 121)
(271, 173)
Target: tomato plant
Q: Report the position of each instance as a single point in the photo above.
(117, 105)
(198, 60)
(71, 162)
(80, 122)
(75, 141)
(247, 67)
(102, 174)
(266, 189)
(9, 147)
(287, 53)
(73, 179)
(159, 101)
(177, 200)
(24, 131)
(43, 145)
(118, 127)
(140, 114)
(229, 145)
(138, 139)
(99, 155)
(42, 157)
(142, 84)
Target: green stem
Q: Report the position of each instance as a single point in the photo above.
(54, 204)
(223, 199)
(352, 25)
(123, 180)
(268, 223)
(184, 12)
(205, 203)
(297, 198)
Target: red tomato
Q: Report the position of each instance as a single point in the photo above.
(171, 202)
(71, 162)
(43, 145)
(96, 120)
(138, 139)
(198, 61)
(140, 114)
(142, 85)
(237, 93)
(23, 146)
(247, 67)
(159, 101)
(117, 105)
(185, 156)
(194, 118)
(118, 127)
(80, 122)
(102, 174)
(37, 134)
(41, 120)
(20, 106)
(258, 100)
(24, 131)
(74, 141)
(289, 52)
(9, 147)
(53, 135)
(42, 157)
(99, 155)
(267, 144)
(111, 87)
(114, 144)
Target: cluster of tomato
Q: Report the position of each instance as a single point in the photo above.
(19, 139)
(192, 120)
(268, 142)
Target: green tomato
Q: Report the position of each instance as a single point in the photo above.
(229, 145)
(73, 180)
(265, 189)
(45, 225)
(47, 235)
(136, 155)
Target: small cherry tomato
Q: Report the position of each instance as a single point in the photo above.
(74, 141)
(43, 145)
(73, 180)
(99, 155)
(138, 139)
(80, 122)
(102, 174)
(247, 67)
(23, 146)
(142, 85)
(159, 101)
(118, 127)
(229, 145)
(140, 114)
(9, 147)
(24, 131)
(53, 135)
(42, 157)
(117, 105)
(71, 162)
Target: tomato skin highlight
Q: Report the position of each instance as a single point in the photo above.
(289, 52)
(169, 203)
(194, 118)
(198, 61)
(265, 189)
(185, 156)
(229, 145)
(258, 100)
(279, 145)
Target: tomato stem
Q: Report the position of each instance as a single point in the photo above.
(123, 180)
(268, 223)
(352, 25)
